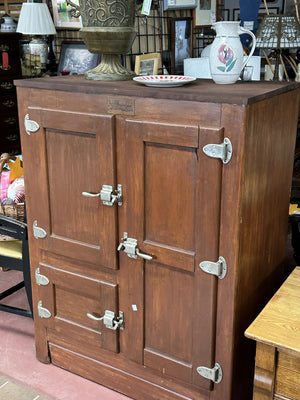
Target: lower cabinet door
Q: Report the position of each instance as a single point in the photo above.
(79, 308)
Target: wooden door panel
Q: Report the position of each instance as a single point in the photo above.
(168, 296)
(166, 188)
(173, 205)
(168, 366)
(70, 297)
(61, 148)
(72, 221)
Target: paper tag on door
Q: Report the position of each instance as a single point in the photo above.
(146, 7)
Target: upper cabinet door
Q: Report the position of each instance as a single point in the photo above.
(72, 153)
(172, 208)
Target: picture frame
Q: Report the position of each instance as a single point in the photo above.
(75, 59)
(62, 15)
(205, 13)
(236, 14)
(147, 64)
(179, 4)
(181, 43)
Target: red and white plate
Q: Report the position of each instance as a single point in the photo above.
(164, 80)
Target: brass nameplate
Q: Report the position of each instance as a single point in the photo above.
(121, 105)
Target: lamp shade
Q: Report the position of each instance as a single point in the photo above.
(35, 19)
(278, 32)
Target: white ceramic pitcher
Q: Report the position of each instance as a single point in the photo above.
(226, 57)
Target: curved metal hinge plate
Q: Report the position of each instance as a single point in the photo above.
(42, 311)
(30, 125)
(41, 280)
(215, 374)
(218, 268)
(222, 151)
(38, 233)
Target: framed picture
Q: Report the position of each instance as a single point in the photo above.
(147, 64)
(179, 4)
(205, 12)
(236, 14)
(76, 59)
(181, 43)
(62, 14)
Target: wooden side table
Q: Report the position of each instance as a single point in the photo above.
(277, 333)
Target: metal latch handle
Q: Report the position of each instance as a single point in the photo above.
(91, 316)
(87, 194)
(145, 256)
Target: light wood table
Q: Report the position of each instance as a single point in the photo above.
(277, 333)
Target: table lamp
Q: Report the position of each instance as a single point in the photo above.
(279, 32)
(35, 19)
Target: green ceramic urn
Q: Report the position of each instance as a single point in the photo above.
(108, 29)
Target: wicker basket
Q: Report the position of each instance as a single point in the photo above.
(15, 211)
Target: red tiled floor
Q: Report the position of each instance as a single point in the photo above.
(18, 361)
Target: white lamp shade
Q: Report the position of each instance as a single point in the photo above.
(35, 19)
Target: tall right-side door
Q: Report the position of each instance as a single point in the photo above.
(172, 208)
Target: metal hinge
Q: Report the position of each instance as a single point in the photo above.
(41, 280)
(110, 320)
(222, 151)
(218, 268)
(38, 233)
(42, 311)
(129, 246)
(108, 195)
(30, 125)
(215, 374)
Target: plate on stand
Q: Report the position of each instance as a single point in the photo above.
(164, 80)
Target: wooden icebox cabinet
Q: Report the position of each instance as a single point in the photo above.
(157, 222)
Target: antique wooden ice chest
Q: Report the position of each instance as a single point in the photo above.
(157, 221)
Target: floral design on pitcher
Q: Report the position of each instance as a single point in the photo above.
(226, 56)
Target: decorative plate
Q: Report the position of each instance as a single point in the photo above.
(164, 80)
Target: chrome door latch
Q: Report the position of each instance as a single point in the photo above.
(108, 195)
(110, 320)
(30, 125)
(222, 151)
(215, 374)
(129, 246)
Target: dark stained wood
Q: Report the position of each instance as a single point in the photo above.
(201, 90)
(70, 297)
(183, 208)
(61, 137)
(81, 365)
